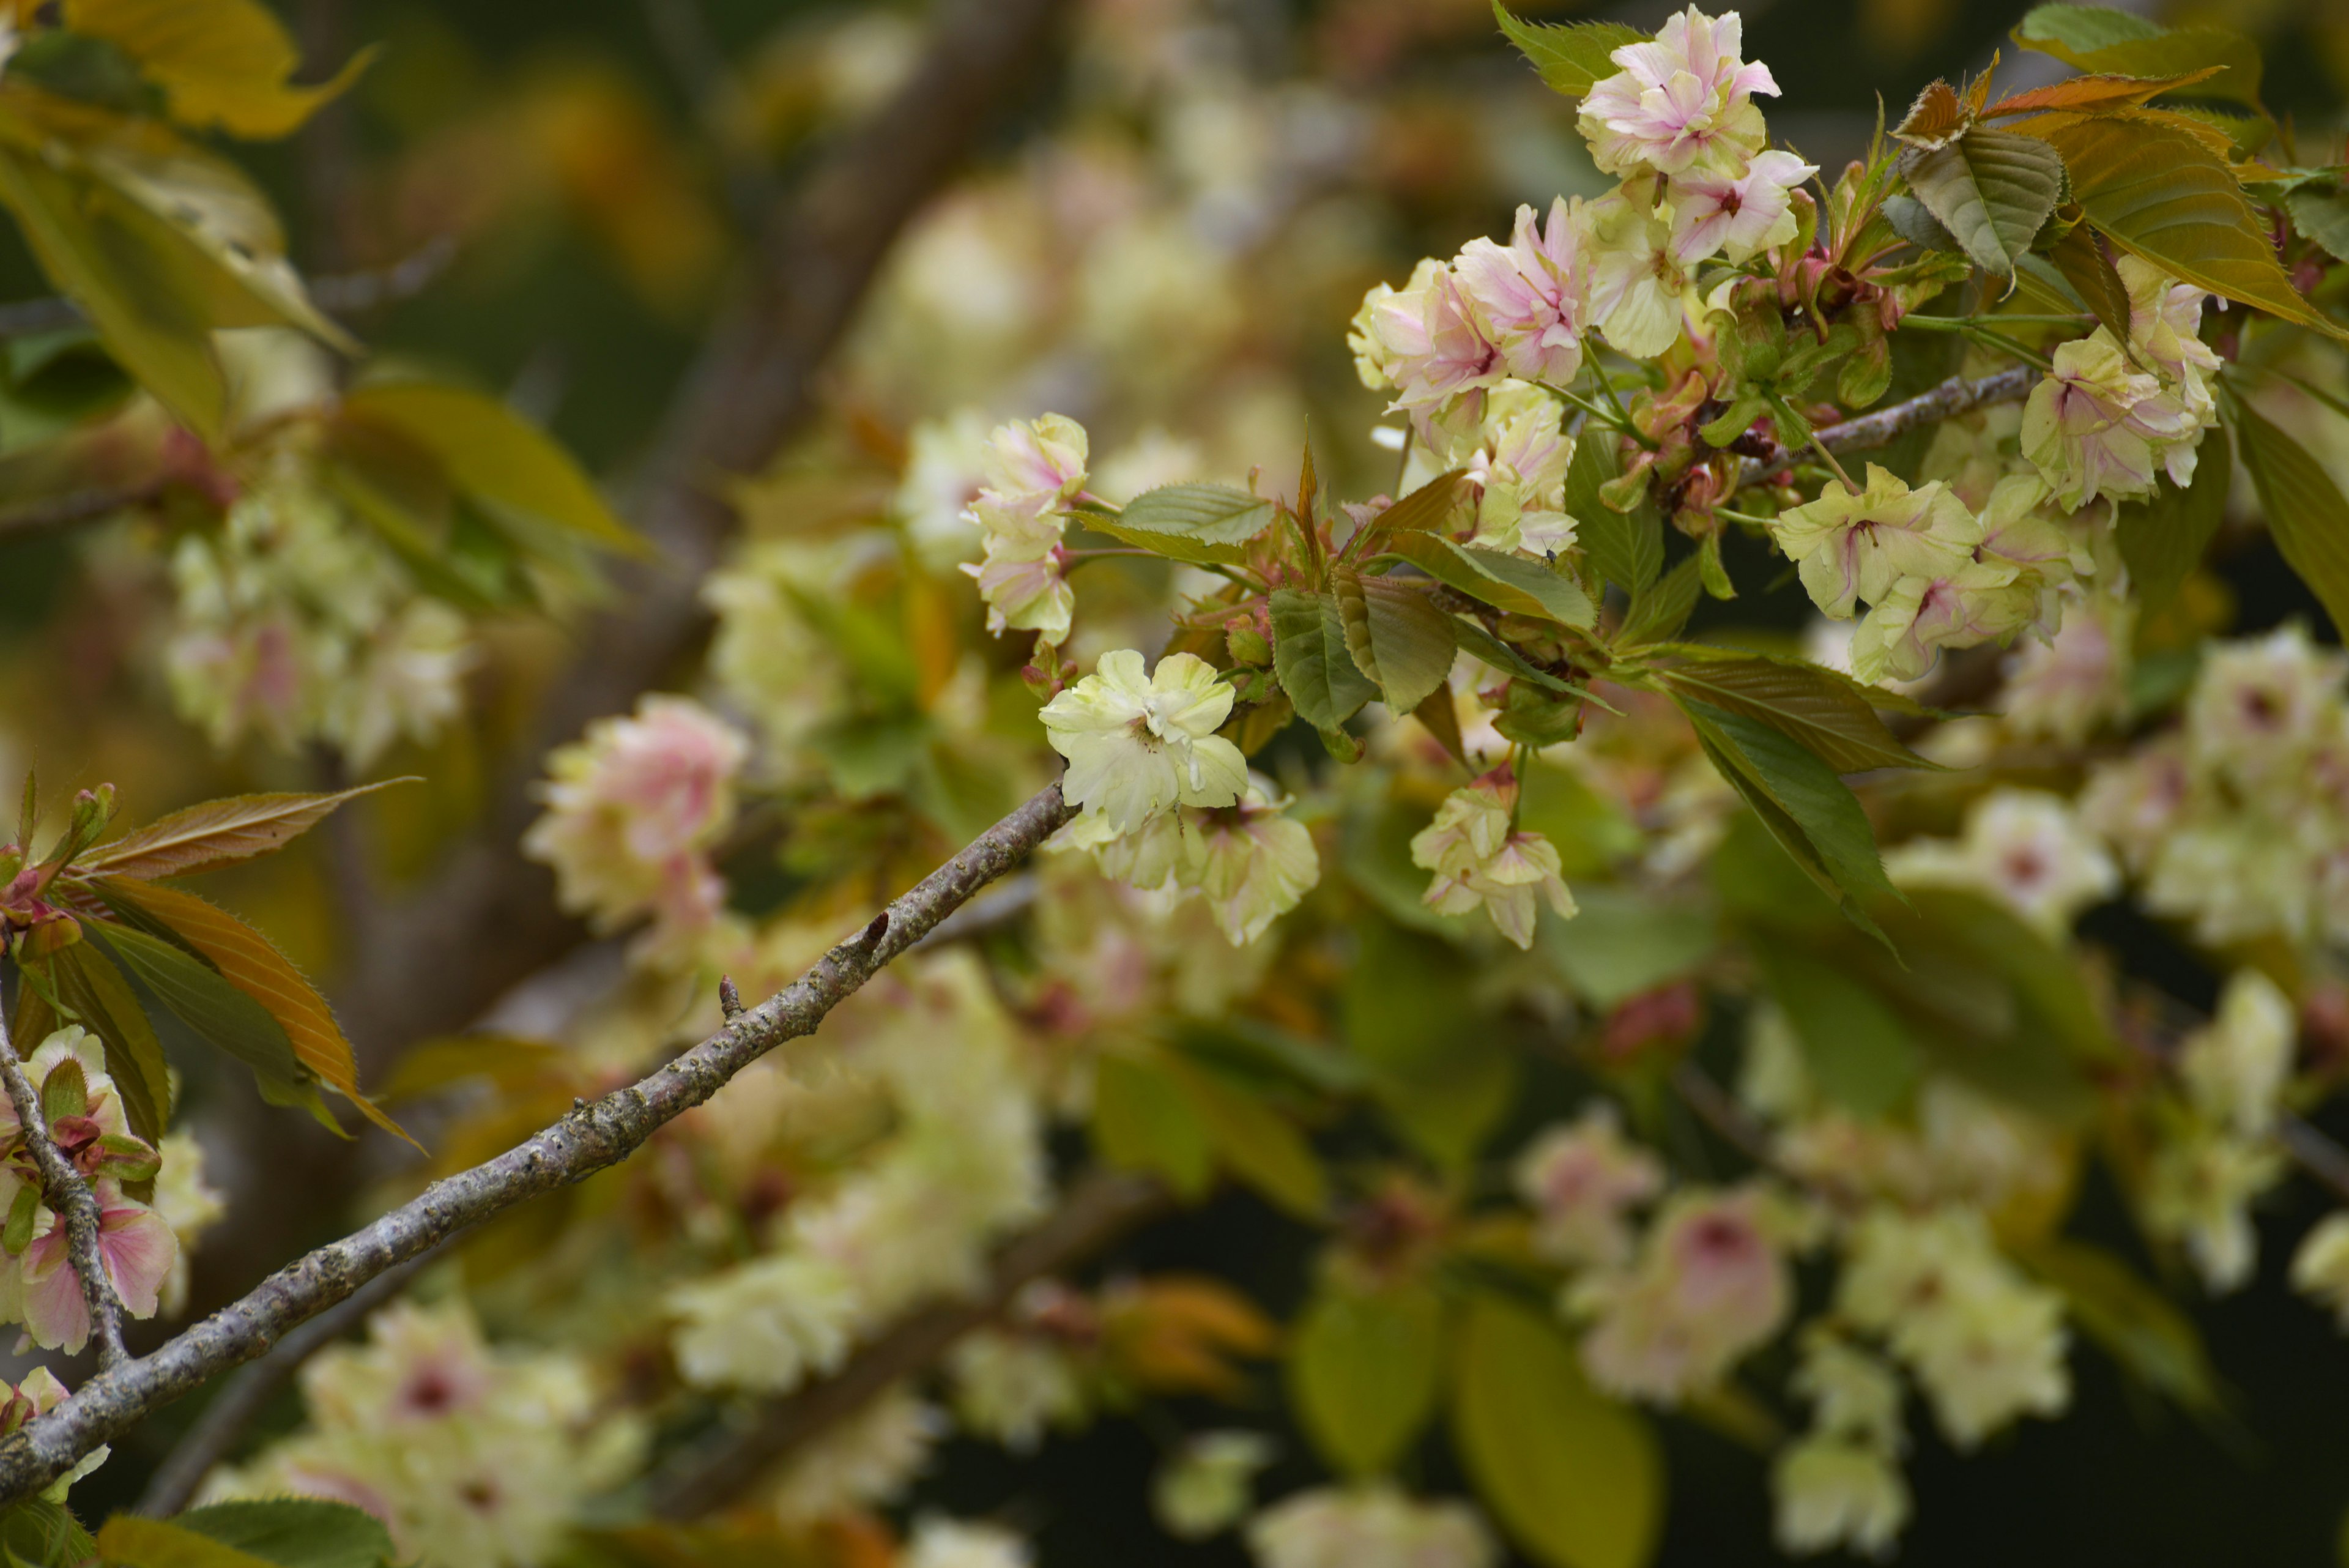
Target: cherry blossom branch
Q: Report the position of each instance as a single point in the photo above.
(74, 1205)
(215, 1432)
(1955, 396)
(592, 1136)
(1101, 1208)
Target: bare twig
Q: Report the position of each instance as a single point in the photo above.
(1098, 1209)
(591, 1138)
(76, 1206)
(1955, 396)
(243, 1396)
(2317, 1155)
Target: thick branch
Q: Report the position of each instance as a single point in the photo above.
(1955, 396)
(242, 1398)
(74, 1205)
(1099, 1209)
(590, 1138)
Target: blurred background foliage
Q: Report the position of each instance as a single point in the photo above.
(1165, 238)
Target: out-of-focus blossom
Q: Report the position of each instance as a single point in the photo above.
(1711, 1284)
(1012, 1388)
(1206, 1488)
(1371, 1526)
(2023, 847)
(955, 1544)
(2198, 1191)
(2320, 1270)
(865, 1461)
(2234, 1068)
(1831, 1493)
(1581, 1181)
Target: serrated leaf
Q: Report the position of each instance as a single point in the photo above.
(134, 1541)
(2100, 40)
(1572, 57)
(1395, 635)
(1992, 190)
(1441, 717)
(507, 465)
(1492, 650)
(219, 62)
(1810, 811)
(1628, 548)
(1577, 1480)
(1938, 117)
(2162, 537)
(1828, 714)
(2091, 93)
(296, 1532)
(1141, 1120)
(217, 1012)
(2160, 195)
(251, 963)
(43, 1534)
(1364, 1367)
(1433, 508)
(216, 833)
(1658, 613)
(1512, 583)
(1914, 222)
(1309, 652)
(2323, 216)
(2305, 511)
(1201, 523)
(2084, 264)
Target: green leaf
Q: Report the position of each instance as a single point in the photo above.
(1577, 1480)
(87, 982)
(2162, 537)
(1659, 612)
(1859, 1050)
(1201, 523)
(1431, 509)
(1484, 646)
(219, 62)
(1514, 583)
(216, 833)
(2084, 264)
(1628, 548)
(2305, 511)
(1811, 812)
(43, 1534)
(2321, 216)
(1827, 713)
(2162, 195)
(296, 1532)
(1624, 944)
(1572, 57)
(1396, 636)
(1255, 1142)
(509, 467)
(1992, 190)
(1364, 1367)
(2135, 1323)
(1442, 1071)
(1144, 1121)
(2098, 39)
(134, 1541)
(219, 1013)
(1308, 651)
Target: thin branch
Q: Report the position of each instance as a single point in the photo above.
(590, 1138)
(1955, 396)
(2317, 1155)
(1099, 1209)
(74, 1205)
(243, 1396)
(75, 506)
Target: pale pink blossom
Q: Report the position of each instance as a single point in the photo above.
(1582, 1179)
(1711, 1284)
(136, 1249)
(1459, 362)
(1682, 96)
(1739, 214)
(1531, 295)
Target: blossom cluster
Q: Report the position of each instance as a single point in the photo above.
(2237, 820)
(1482, 858)
(1168, 805)
(2110, 412)
(466, 1453)
(1032, 470)
(294, 623)
(632, 811)
(1934, 573)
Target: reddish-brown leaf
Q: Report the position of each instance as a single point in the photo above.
(2089, 94)
(251, 963)
(214, 834)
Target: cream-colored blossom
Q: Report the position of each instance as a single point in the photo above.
(2235, 1067)
(1828, 1492)
(1858, 547)
(2025, 848)
(1205, 1489)
(1370, 1526)
(2320, 1269)
(1138, 745)
(2198, 1191)
(1482, 859)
